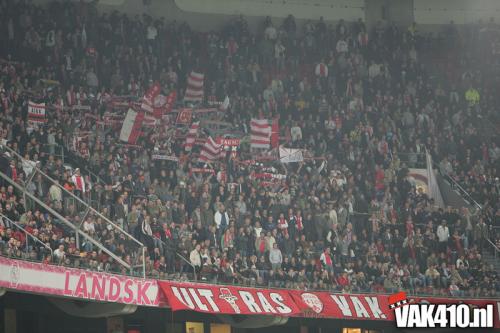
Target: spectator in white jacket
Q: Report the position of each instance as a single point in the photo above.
(443, 234)
(195, 258)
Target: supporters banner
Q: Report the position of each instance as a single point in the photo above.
(369, 306)
(30, 277)
(36, 112)
(165, 157)
(76, 283)
(228, 299)
(227, 142)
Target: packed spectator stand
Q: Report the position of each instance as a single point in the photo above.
(360, 105)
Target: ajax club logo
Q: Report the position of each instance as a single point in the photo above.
(231, 299)
(313, 302)
(424, 314)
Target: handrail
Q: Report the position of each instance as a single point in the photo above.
(495, 248)
(178, 254)
(460, 188)
(64, 220)
(29, 233)
(77, 198)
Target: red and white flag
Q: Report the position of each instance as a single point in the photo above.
(260, 134)
(149, 97)
(321, 70)
(163, 104)
(194, 89)
(211, 151)
(131, 128)
(36, 112)
(191, 136)
(149, 120)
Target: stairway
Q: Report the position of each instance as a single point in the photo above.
(134, 245)
(456, 197)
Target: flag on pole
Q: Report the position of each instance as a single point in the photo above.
(36, 112)
(149, 97)
(194, 89)
(225, 105)
(289, 155)
(211, 151)
(131, 128)
(260, 134)
(163, 104)
(191, 136)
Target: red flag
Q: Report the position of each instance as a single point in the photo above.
(185, 116)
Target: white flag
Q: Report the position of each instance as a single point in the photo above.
(289, 155)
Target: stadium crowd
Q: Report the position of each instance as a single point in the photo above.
(348, 218)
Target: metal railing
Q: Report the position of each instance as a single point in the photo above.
(28, 235)
(88, 207)
(496, 250)
(456, 186)
(65, 221)
(170, 247)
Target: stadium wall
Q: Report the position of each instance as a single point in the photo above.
(437, 12)
(428, 13)
(212, 14)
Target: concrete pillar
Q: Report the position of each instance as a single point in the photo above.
(373, 12)
(398, 11)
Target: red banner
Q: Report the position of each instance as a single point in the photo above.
(228, 299)
(228, 142)
(297, 303)
(185, 116)
(367, 307)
